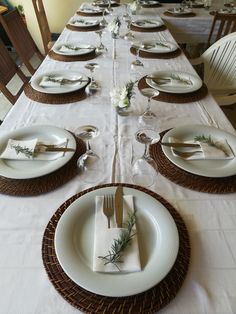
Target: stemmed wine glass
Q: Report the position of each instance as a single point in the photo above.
(144, 169)
(103, 21)
(91, 67)
(101, 48)
(137, 62)
(128, 20)
(148, 118)
(90, 165)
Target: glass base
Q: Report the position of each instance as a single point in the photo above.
(123, 111)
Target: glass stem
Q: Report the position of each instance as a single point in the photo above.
(146, 151)
(149, 105)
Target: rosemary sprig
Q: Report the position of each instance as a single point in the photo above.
(119, 245)
(181, 80)
(149, 46)
(130, 89)
(23, 150)
(208, 140)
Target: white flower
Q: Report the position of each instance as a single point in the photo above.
(120, 96)
(114, 25)
(133, 6)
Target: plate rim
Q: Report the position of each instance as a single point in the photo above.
(168, 72)
(92, 48)
(151, 26)
(153, 41)
(109, 293)
(29, 129)
(172, 159)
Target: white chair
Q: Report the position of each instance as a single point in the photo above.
(219, 62)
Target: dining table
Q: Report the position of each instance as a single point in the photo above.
(28, 219)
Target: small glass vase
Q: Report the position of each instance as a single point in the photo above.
(123, 111)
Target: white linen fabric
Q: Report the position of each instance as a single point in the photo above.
(210, 219)
(104, 238)
(11, 151)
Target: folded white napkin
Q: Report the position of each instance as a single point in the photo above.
(169, 81)
(71, 48)
(84, 22)
(104, 238)
(24, 150)
(205, 151)
(56, 81)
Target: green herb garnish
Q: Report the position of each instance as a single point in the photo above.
(180, 79)
(23, 150)
(119, 245)
(208, 140)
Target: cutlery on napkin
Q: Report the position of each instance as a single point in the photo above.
(104, 238)
(84, 22)
(57, 81)
(69, 48)
(174, 80)
(34, 150)
(220, 150)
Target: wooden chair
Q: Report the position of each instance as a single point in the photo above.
(222, 25)
(47, 37)
(8, 69)
(20, 37)
(219, 62)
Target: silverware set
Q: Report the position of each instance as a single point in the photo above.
(41, 147)
(114, 204)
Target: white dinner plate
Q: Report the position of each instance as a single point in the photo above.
(159, 46)
(174, 86)
(84, 22)
(79, 49)
(103, 3)
(158, 245)
(175, 11)
(147, 23)
(147, 3)
(28, 169)
(90, 10)
(207, 168)
(61, 89)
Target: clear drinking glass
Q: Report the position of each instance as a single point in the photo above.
(90, 165)
(148, 118)
(91, 67)
(137, 61)
(144, 169)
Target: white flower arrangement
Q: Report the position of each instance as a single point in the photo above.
(114, 25)
(134, 6)
(121, 96)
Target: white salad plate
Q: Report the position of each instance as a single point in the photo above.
(177, 11)
(77, 49)
(84, 22)
(176, 82)
(80, 81)
(147, 23)
(147, 3)
(157, 236)
(207, 168)
(28, 169)
(159, 46)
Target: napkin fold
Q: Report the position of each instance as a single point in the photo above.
(104, 238)
(24, 150)
(48, 81)
(169, 81)
(205, 151)
(84, 22)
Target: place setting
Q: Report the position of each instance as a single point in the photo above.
(180, 11)
(38, 159)
(57, 87)
(198, 157)
(106, 3)
(72, 51)
(104, 235)
(80, 24)
(150, 4)
(87, 9)
(147, 25)
(174, 86)
(155, 49)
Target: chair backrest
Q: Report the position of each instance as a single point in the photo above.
(8, 69)
(20, 37)
(43, 24)
(220, 64)
(222, 25)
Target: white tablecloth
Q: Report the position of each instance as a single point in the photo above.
(211, 221)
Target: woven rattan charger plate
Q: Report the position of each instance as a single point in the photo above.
(176, 98)
(55, 99)
(191, 14)
(149, 301)
(46, 183)
(189, 180)
(147, 30)
(150, 55)
(85, 57)
(84, 29)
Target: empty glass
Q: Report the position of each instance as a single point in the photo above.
(137, 46)
(144, 169)
(91, 67)
(148, 118)
(90, 165)
(100, 48)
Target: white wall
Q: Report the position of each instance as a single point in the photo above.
(58, 13)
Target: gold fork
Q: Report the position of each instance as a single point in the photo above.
(108, 207)
(186, 154)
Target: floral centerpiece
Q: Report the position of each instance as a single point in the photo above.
(134, 6)
(121, 97)
(114, 27)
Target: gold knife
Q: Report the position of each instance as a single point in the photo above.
(119, 206)
(54, 149)
(180, 144)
